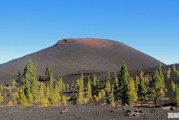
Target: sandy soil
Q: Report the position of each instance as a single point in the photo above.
(78, 112)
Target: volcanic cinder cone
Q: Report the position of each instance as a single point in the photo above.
(79, 55)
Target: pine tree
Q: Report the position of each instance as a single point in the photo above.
(168, 73)
(64, 100)
(47, 93)
(30, 98)
(85, 100)
(54, 96)
(80, 97)
(95, 85)
(109, 76)
(96, 98)
(103, 94)
(53, 100)
(9, 103)
(15, 96)
(60, 84)
(49, 76)
(64, 87)
(112, 99)
(174, 68)
(13, 84)
(112, 102)
(108, 86)
(1, 97)
(57, 94)
(1, 87)
(80, 90)
(99, 95)
(30, 80)
(89, 90)
(176, 95)
(136, 83)
(172, 85)
(42, 91)
(116, 87)
(177, 72)
(147, 79)
(19, 82)
(108, 89)
(123, 81)
(73, 98)
(132, 94)
(142, 89)
(67, 87)
(141, 73)
(44, 102)
(158, 85)
(161, 77)
(22, 99)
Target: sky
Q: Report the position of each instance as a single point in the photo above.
(151, 26)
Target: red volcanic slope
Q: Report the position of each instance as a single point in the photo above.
(80, 55)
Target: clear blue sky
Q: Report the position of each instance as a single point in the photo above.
(151, 26)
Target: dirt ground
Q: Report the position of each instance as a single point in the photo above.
(79, 112)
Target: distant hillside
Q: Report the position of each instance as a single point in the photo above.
(80, 55)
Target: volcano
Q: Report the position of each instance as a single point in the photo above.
(80, 55)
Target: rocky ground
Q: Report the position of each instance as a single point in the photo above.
(81, 112)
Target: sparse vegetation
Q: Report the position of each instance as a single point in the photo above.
(122, 89)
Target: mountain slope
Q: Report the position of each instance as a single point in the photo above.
(69, 56)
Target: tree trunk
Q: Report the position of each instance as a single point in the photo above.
(141, 103)
(155, 102)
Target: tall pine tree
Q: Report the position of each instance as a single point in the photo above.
(142, 89)
(176, 95)
(108, 90)
(30, 81)
(123, 83)
(49, 76)
(89, 90)
(116, 87)
(157, 85)
(95, 85)
(80, 90)
(132, 94)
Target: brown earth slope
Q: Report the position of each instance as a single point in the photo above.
(80, 55)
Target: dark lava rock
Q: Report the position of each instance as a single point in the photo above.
(128, 111)
(171, 108)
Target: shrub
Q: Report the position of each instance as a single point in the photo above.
(96, 98)
(9, 103)
(64, 100)
(44, 102)
(85, 100)
(1, 98)
(112, 102)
